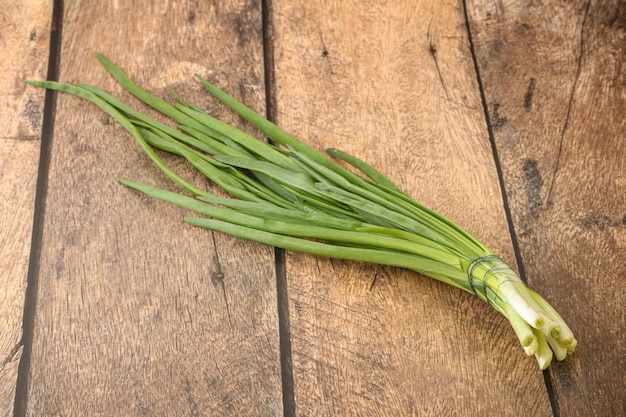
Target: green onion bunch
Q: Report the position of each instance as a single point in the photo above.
(288, 195)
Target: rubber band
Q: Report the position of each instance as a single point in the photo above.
(493, 261)
(496, 267)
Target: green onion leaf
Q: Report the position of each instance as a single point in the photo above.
(296, 198)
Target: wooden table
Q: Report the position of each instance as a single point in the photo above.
(508, 117)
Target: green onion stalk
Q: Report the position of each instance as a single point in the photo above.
(289, 195)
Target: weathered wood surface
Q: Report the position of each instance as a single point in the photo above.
(555, 82)
(24, 41)
(138, 314)
(370, 340)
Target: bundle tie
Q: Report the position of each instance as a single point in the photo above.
(494, 262)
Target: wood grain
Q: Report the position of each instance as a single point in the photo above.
(137, 313)
(555, 80)
(395, 85)
(24, 41)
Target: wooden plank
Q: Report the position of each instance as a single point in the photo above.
(555, 81)
(395, 85)
(139, 314)
(24, 41)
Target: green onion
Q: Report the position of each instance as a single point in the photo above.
(289, 195)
